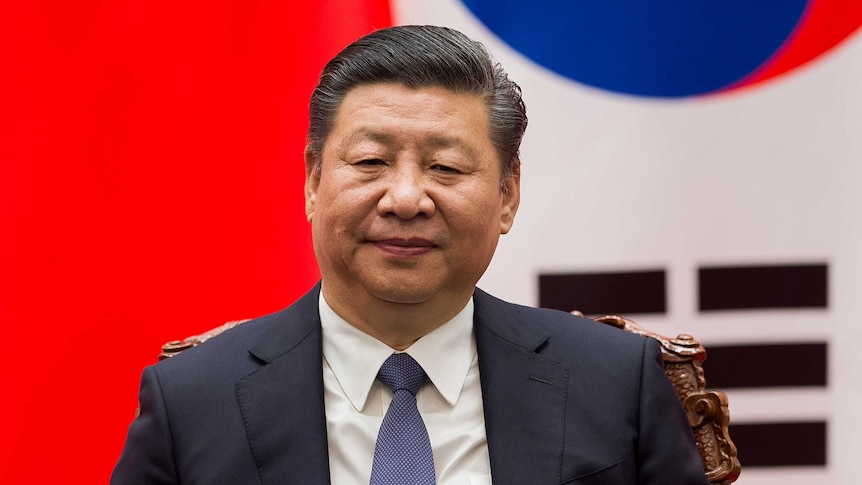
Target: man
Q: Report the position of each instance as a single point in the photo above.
(412, 175)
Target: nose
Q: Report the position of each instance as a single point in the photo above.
(406, 194)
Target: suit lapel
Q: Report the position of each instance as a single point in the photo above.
(524, 395)
(282, 402)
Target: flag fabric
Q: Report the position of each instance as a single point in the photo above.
(696, 165)
(151, 173)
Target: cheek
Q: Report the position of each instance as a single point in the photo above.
(343, 212)
(479, 226)
(483, 211)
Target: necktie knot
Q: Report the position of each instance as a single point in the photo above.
(400, 371)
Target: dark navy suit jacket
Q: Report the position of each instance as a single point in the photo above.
(567, 400)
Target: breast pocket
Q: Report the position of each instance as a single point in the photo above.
(616, 473)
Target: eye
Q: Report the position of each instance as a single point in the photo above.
(371, 162)
(444, 168)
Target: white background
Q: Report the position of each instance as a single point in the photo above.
(767, 174)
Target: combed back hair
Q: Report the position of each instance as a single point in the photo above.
(419, 56)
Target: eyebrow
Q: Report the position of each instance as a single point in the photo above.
(440, 141)
(371, 134)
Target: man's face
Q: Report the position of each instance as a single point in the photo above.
(407, 207)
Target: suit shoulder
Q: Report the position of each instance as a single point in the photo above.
(566, 333)
(260, 339)
(226, 355)
(580, 329)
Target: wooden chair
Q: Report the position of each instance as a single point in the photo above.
(707, 410)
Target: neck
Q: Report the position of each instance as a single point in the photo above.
(398, 325)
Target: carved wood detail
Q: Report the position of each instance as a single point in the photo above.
(707, 410)
(174, 347)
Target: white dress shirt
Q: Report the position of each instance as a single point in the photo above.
(450, 402)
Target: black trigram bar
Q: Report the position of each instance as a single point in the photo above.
(597, 293)
(753, 287)
(780, 444)
(766, 365)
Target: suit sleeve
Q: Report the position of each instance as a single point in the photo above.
(148, 455)
(666, 449)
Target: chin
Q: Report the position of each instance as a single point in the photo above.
(405, 294)
(402, 297)
(402, 292)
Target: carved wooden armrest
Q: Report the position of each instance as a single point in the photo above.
(174, 347)
(707, 410)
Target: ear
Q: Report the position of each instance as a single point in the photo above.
(312, 181)
(511, 199)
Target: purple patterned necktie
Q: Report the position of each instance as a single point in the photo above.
(403, 452)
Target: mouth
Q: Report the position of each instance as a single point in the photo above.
(413, 246)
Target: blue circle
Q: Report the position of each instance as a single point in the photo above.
(658, 48)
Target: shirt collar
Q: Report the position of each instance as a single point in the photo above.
(355, 357)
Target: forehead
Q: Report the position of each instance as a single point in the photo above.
(382, 111)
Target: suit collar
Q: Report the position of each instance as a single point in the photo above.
(282, 402)
(281, 332)
(524, 394)
(505, 320)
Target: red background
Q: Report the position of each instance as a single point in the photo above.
(150, 188)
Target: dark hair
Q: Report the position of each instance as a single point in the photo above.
(419, 56)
